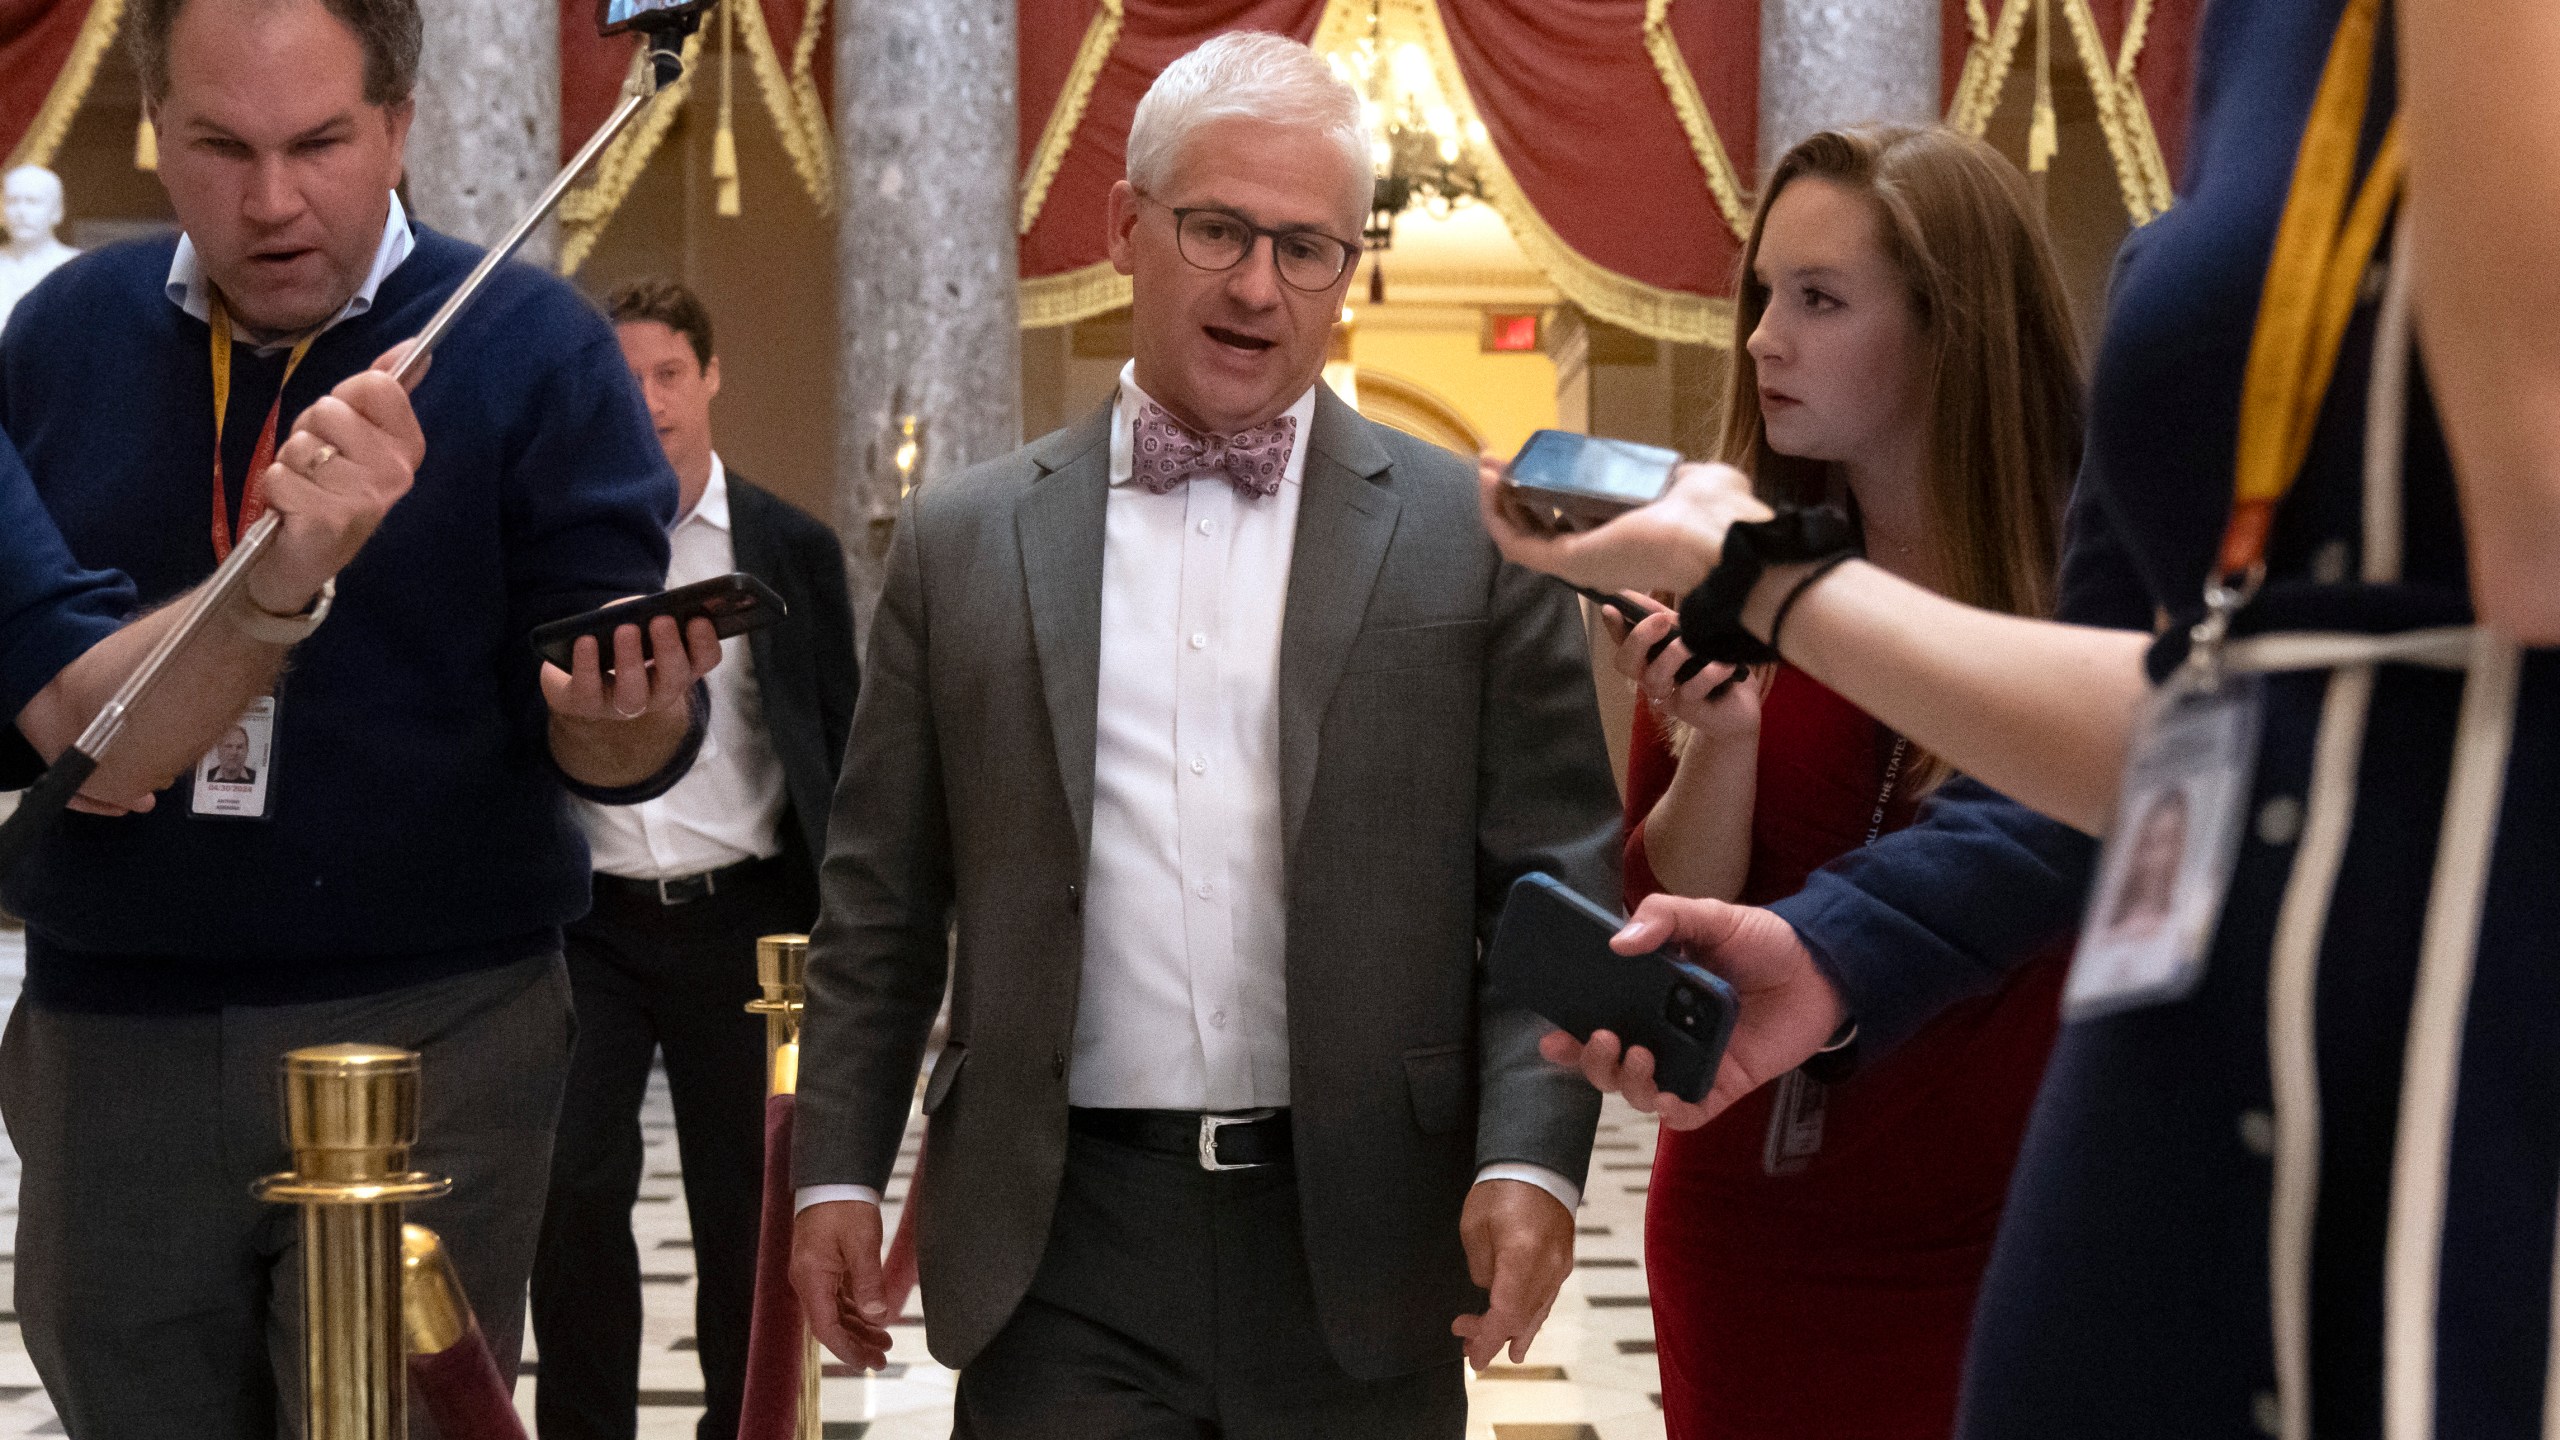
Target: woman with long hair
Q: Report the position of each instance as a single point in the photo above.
(2296, 1162)
(1814, 1258)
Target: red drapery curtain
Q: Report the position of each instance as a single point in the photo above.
(1084, 66)
(1626, 133)
(781, 46)
(49, 50)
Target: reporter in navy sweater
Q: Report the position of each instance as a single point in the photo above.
(416, 859)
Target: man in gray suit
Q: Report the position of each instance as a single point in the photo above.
(1224, 729)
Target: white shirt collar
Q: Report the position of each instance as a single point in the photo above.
(189, 291)
(713, 508)
(1124, 421)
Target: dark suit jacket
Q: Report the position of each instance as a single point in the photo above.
(1438, 736)
(805, 667)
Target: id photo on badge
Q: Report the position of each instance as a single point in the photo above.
(232, 780)
(2168, 858)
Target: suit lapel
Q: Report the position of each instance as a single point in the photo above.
(750, 552)
(1058, 524)
(1344, 522)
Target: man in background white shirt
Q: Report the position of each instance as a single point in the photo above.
(684, 884)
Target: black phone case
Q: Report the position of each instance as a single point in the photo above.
(735, 604)
(1551, 954)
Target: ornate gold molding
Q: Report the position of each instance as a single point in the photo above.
(71, 87)
(1732, 199)
(1653, 310)
(791, 96)
(1079, 294)
(587, 210)
(1065, 115)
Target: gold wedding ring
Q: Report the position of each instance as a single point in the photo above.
(320, 457)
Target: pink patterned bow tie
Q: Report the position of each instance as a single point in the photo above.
(1169, 453)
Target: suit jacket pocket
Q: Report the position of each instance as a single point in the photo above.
(946, 1073)
(1436, 1075)
(1411, 647)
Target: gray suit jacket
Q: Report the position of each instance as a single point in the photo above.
(1438, 737)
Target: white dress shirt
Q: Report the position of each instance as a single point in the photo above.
(728, 807)
(190, 291)
(1184, 1002)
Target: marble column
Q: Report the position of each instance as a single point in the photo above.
(487, 136)
(927, 296)
(1827, 63)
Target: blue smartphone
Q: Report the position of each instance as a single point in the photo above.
(1568, 481)
(1551, 955)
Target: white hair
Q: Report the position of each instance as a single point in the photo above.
(1248, 75)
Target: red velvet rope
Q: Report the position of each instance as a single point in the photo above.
(464, 1393)
(771, 1407)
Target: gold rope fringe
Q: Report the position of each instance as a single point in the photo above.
(1064, 116)
(727, 203)
(146, 144)
(1664, 314)
(2142, 172)
(71, 87)
(1695, 119)
(2044, 130)
(587, 210)
(1079, 294)
(791, 97)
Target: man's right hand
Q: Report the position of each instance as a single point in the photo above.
(1789, 1010)
(835, 1270)
(351, 457)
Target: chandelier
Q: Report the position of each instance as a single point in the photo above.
(1423, 155)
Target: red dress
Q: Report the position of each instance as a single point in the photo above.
(1833, 1302)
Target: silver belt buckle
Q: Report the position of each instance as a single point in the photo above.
(1210, 1125)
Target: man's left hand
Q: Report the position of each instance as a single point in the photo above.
(1519, 1243)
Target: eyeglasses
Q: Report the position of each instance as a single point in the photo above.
(1221, 239)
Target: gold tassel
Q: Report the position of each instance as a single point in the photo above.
(146, 145)
(724, 145)
(2044, 134)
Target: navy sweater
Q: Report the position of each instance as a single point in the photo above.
(419, 827)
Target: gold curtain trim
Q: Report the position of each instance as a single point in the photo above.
(587, 210)
(71, 87)
(1078, 294)
(1621, 300)
(791, 96)
(1068, 113)
(2142, 172)
(1695, 119)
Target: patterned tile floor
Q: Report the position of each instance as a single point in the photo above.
(1589, 1377)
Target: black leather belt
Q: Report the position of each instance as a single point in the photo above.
(1245, 1140)
(679, 889)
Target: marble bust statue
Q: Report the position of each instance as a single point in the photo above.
(31, 204)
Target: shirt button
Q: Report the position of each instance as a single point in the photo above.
(2280, 821)
(2268, 1412)
(1199, 640)
(2258, 1132)
(1199, 766)
(1075, 897)
(1208, 527)
(1217, 1019)
(1202, 890)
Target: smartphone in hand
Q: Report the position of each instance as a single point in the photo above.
(734, 604)
(1562, 481)
(1551, 954)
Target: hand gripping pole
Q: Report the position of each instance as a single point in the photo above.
(47, 798)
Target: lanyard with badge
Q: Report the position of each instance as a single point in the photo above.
(2179, 815)
(236, 779)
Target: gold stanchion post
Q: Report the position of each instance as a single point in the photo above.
(782, 971)
(350, 1116)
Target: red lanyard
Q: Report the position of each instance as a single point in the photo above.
(253, 491)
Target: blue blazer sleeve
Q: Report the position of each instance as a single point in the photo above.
(1979, 884)
(51, 610)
